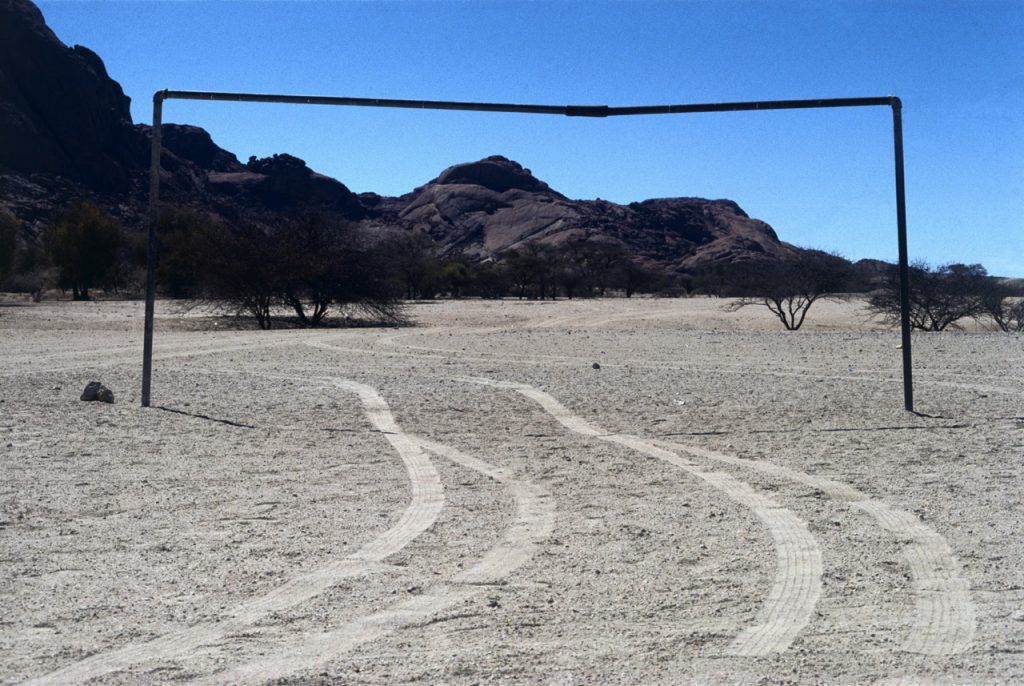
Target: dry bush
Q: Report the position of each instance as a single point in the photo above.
(788, 288)
(939, 296)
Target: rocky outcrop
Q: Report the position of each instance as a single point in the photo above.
(195, 145)
(283, 183)
(66, 134)
(480, 209)
(60, 112)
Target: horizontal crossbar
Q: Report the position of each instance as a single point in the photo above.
(566, 110)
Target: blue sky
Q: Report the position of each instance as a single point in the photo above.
(821, 178)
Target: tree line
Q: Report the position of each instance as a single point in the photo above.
(306, 270)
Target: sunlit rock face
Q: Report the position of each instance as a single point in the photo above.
(482, 208)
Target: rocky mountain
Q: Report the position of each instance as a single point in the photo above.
(480, 209)
(60, 113)
(66, 134)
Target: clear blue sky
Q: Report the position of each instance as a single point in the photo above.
(822, 178)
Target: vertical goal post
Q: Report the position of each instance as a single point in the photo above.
(596, 111)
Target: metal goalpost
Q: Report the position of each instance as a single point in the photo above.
(598, 111)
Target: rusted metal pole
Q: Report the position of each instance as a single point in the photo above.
(151, 246)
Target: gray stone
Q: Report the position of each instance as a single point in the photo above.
(91, 390)
(94, 390)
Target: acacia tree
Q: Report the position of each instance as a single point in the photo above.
(488, 280)
(999, 303)
(413, 257)
(532, 270)
(789, 287)
(633, 277)
(239, 270)
(309, 267)
(593, 265)
(309, 252)
(328, 262)
(83, 243)
(939, 296)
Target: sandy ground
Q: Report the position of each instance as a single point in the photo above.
(472, 501)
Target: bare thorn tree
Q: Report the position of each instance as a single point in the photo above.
(788, 288)
(998, 303)
(939, 296)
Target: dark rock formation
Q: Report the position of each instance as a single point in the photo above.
(284, 183)
(66, 135)
(195, 145)
(59, 111)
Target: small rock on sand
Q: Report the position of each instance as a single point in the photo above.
(94, 390)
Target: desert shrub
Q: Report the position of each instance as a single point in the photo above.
(32, 271)
(939, 296)
(311, 267)
(789, 287)
(1000, 304)
(238, 272)
(83, 243)
(718, 280)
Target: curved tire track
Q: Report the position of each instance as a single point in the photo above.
(797, 585)
(534, 522)
(423, 510)
(944, 616)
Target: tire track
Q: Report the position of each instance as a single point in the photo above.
(425, 506)
(534, 522)
(797, 584)
(944, 615)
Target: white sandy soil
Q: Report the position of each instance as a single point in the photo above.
(471, 501)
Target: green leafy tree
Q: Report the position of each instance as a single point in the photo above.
(83, 243)
(455, 277)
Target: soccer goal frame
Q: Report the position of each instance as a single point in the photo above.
(597, 111)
